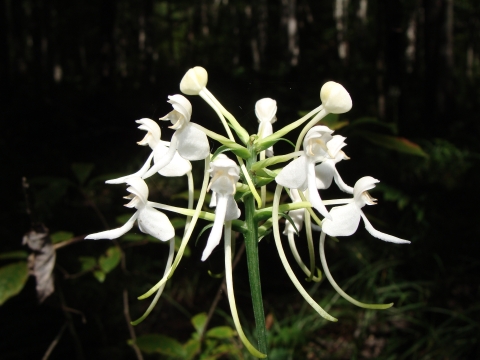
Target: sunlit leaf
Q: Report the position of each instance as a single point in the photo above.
(191, 348)
(198, 322)
(221, 332)
(87, 263)
(12, 279)
(111, 259)
(99, 275)
(160, 344)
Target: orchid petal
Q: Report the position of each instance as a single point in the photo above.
(232, 211)
(155, 223)
(324, 174)
(335, 144)
(345, 220)
(265, 129)
(265, 110)
(192, 143)
(380, 235)
(213, 200)
(294, 175)
(181, 104)
(165, 160)
(339, 181)
(114, 233)
(216, 232)
(313, 194)
(153, 132)
(177, 167)
(139, 188)
(364, 184)
(139, 173)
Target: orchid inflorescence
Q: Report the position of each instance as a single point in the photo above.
(311, 169)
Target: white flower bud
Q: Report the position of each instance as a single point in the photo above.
(335, 99)
(194, 81)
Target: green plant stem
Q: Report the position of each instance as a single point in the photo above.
(251, 245)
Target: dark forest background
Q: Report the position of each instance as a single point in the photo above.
(75, 75)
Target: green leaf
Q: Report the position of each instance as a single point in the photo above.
(87, 262)
(396, 143)
(12, 280)
(191, 348)
(19, 254)
(160, 344)
(60, 236)
(111, 259)
(99, 275)
(220, 150)
(198, 322)
(82, 171)
(221, 332)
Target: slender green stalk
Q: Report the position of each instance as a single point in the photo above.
(251, 245)
(231, 296)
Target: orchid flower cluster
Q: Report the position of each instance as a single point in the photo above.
(241, 178)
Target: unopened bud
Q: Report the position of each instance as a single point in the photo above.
(335, 99)
(194, 81)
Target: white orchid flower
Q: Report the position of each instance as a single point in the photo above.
(150, 221)
(265, 110)
(335, 99)
(178, 166)
(345, 219)
(225, 174)
(191, 143)
(326, 171)
(319, 145)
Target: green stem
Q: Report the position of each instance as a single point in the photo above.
(251, 246)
